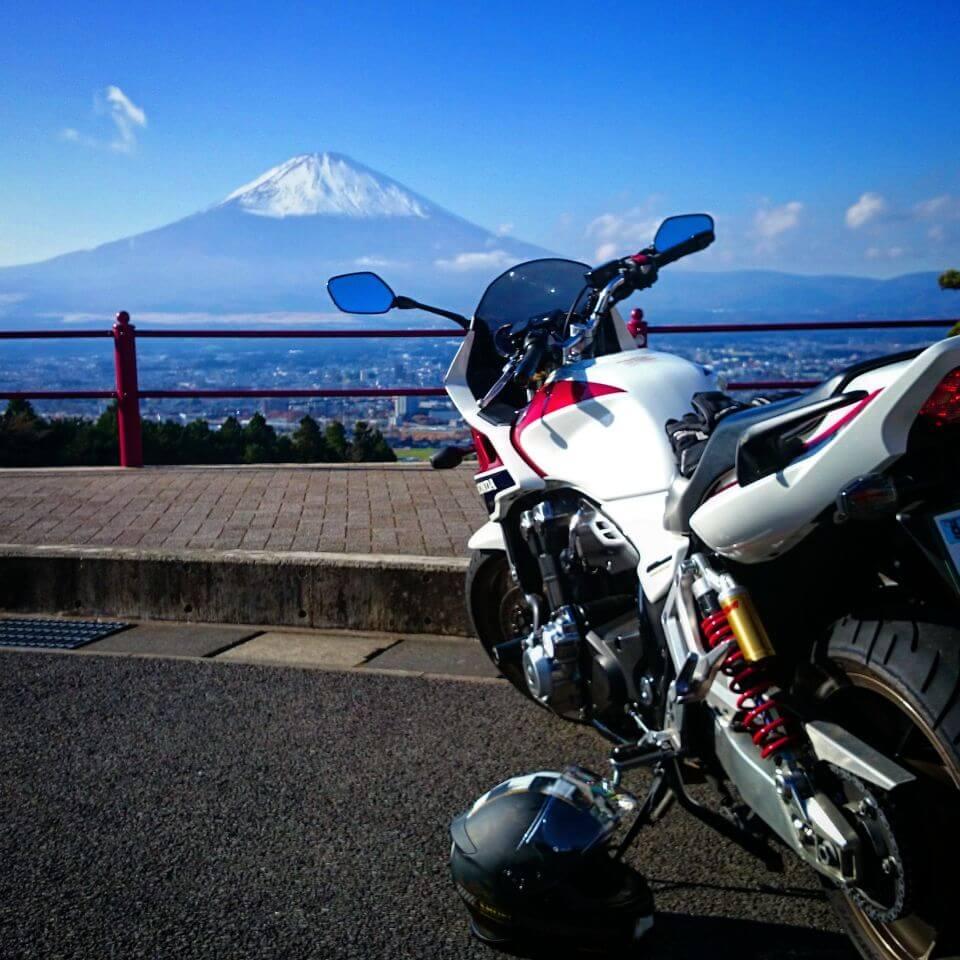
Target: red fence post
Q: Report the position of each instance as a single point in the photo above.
(128, 394)
(638, 327)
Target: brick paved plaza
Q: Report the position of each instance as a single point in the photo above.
(408, 509)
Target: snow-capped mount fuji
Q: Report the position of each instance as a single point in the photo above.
(270, 246)
(326, 183)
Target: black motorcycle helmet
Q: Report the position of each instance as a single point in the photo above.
(530, 859)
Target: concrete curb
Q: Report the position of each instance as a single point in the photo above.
(386, 593)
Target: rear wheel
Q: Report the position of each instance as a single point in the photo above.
(498, 610)
(895, 683)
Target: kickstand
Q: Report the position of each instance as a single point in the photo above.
(644, 816)
(755, 845)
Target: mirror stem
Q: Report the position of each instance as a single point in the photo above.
(405, 303)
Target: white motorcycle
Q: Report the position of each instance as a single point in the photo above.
(768, 603)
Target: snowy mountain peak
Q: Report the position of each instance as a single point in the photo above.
(326, 183)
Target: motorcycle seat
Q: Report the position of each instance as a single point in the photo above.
(720, 453)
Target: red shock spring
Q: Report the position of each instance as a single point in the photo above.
(763, 718)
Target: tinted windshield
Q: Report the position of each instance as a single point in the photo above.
(529, 290)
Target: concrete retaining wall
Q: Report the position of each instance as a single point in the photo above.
(389, 593)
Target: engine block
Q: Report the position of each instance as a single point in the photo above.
(550, 662)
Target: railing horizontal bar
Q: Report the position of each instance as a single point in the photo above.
(58, 395)
(54, 334)
(799, 325)
(297, 334)
(320, 394)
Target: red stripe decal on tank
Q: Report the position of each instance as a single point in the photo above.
(552, 397)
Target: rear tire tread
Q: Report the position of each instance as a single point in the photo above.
(925, 672)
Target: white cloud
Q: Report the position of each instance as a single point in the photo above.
(944, 208)
(127, 119)
(867, 208)
(885, 253)
(504, 230)
(489, 260)
(771, 222)
(380, 262)
(622, 233)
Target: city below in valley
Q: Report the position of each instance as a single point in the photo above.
(407, 422)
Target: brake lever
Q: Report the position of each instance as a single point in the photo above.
(509, 370)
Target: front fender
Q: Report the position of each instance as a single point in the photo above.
(488, 537)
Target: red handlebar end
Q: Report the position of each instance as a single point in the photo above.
(640, 258)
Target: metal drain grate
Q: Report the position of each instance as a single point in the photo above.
(61, 634)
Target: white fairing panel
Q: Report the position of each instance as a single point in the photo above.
(765, 518)
(611, 442)
(487, 537)
(641, 521)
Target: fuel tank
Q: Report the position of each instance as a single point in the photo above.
(599, 425)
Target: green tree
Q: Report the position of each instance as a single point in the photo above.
(98, 442)
(259, 441)
(369, 445)
(196, 443)
(228, 441)
(337, 443)
(23, 435)
(284, 451)
(950, 280)
(309, 443)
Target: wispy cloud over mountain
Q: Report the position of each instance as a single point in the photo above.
(127, 119)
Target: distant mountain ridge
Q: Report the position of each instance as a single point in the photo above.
(271, 245)
(767, 293)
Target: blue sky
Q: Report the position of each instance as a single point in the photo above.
(825, 137)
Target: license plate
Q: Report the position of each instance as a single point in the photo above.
(949, 526)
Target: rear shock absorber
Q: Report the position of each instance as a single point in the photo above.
(729, 613)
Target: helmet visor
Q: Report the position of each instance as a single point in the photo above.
(564, 827)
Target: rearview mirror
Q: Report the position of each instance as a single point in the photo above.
(360, 293)
(675, 231)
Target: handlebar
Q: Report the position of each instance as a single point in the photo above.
(613, 282)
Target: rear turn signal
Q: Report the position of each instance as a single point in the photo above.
(943, 405)
(871, 495)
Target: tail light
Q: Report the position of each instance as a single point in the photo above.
(942, 407)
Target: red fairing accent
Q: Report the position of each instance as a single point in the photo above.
(487, 456)
(555, 396)
(855, 411)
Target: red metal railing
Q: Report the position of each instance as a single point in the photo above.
(128, 394)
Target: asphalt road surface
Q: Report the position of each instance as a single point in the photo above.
(157, 808)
